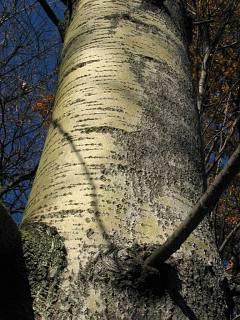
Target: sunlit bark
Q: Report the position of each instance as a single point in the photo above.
(121, 167)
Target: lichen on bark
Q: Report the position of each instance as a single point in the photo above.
(45, 258)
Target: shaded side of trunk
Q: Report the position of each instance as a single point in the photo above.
(121, 167)
(16, 301)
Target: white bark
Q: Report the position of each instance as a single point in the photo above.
(121, 167)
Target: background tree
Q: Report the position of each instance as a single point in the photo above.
(215, 63)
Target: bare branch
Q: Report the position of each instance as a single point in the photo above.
(223, 147)
(203, 207)
(227, 46)
(65, 2)
(228, 238)
(20, 179)
(208, 48)
(203, 21)
(52, 16)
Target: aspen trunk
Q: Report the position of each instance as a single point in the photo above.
(121, 167)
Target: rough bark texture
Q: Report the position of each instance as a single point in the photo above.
(121, 167)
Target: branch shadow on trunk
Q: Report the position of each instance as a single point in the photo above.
(95, 201)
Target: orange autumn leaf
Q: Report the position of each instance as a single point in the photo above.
(44, 107)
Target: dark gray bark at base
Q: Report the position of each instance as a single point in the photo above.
(142, 294)
(45, 259)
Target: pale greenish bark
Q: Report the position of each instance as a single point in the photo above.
(121, 167)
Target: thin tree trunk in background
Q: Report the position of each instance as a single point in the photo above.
(121, 167)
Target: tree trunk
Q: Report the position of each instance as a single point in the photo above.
(121, 167)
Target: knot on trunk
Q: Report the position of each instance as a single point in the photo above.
(123, 267)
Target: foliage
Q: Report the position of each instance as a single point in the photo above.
(44, 107)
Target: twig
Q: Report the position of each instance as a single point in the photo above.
(203, 207)
(20, 179)
(228, 237)
(230, 45)
(203, 21)
(223, 147)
